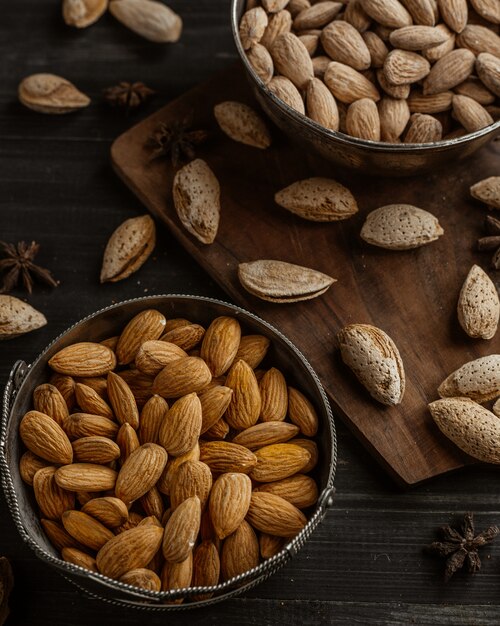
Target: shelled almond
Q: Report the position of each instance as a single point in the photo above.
(190, 479)
(352, 55)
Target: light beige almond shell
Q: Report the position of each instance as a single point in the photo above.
(402, 67)
(18, 317)
(496, 408)
(196, 194)
(240, 552)
(343, 43)
(400, 227)
(488, 9)
(140, 472)
(349, 85)
(128, 248)
(129, 550)
(488, 70)
(478, 305)
(285, 90)
(487, 191)
(252, 27)
(262, 62)
(375, 360)
(318, 199)
(152, 20)
(454, 13)
(471, 115)
(449, 71)
(229, 502)
(417, 37)
(48, 93)
(242, 123)
(280, 282)
(321, 105)
(318, 15)
(83, 13)
(390, 13)
(478, 380)
(471, 427)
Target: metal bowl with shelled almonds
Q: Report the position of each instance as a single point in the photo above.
(372, 157)
(108, 322)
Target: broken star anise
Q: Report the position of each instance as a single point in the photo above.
(18, 264)
(177, 140)
(461, 546)
(128, 96)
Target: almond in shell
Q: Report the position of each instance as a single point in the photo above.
(83, 13)
(478, 380)
(487, 191)
(229, 502)
(400, 227)
(478, 305)
(241, 123)
(375, 360)
(196, 194)
(18, 317)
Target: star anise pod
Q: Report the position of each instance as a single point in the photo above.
(18, 265)
(461, 546)
(176, 140)
(128, 96)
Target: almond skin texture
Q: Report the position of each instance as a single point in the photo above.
(220, 344)
(402, 67)
(241, 123)
(84, 359)
(318, 199)
(252, 27)
(417, 37)
(389, 13)
(423, 129)
(58, 537)
(252, 349)
(29, 464)
(86, 477)
(221, 456)
(436, 103)
(279, 23)
(140, 472)
(143, 578)
(128, 248)
(152, 415)
(206, 567)
(272, 514)
(196, 194)
(152, 20)
(454, 13)
(394, 115)
(86, 529)
(349, 85)
(438, 52)
(80, 558)
(488, 70)
(471, 427)
(278, 461)
(193, 478)
(285, 90)
(300, 490)
(186, 337)
(48, 93)
(449, 71)
(87, 425)
(274, 396)
(487, 191)
(478, 305)
(261, 62)
(181, 377)
(343, 43)
(363, 120)
(66, 386)
(229, 502)
(302, 413)
(91, 402)
(129, 550)
(321, 105)
(376, 47)
(488, 9)
(422, 11)
(181, 427)
(478, 380)
(153, 356)
(181, 530)
(312, 447)
(400, 227)
(214, 403)
(145, 326)
(470, 113)
(44, 437)
(266, 434)
(47, 399)
(375, 360)
(122, 400)
(100, 450)
(270, 545)
(245, 404)
(240, 552)
(316, 16)
(52, 499)
(292, 60)
(110, 511)
(479, 39)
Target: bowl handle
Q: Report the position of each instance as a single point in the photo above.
(16, 377)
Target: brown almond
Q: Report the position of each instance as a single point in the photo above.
(145, 326)
(48, 93)
(123, 401)
(220, 344)
(43, 436)
(318, 15)
(240, 552)
(470, 113)
(416, 38)
(302, 413)
(478, 305)
(252, 27)
(95, 449)
(80, 558)
(475, 89)
(349, 85)
(221, 457)
(83, 359)
(343, 43)
(206, 567)
(58, 536)
(29, 464)
(214, 403)
(86, 477)
(285, 90)
(321, 105)
(83, 13)
(66, 386)
(292, 60)
(245, 404)
(85, 529)
(402, 67)
(376, 47)
(91, 402)
(400, 92)
(252, 349)
(229, 502)
(270, 545)
(152, 20)
(143, 578)
(96, 383)
(355, 15)
(488, 70)
(394, 115)
(52, 500)
(47, 399)
(390, 13)
(140, 472)
(177, 576)
(435, 53)
(278, 461)
(487, 9)
(261, 61)
(265, 434)
(87, 425)
(454, 13)
(181, 427)
(186, 337)
(363, 120)
(129, 550)
(278, 24)
(181, 530)
(479, 39)
(423, 129)
(435, 103)
(272, 514)
(153, 356)
(152, 504)
(151, 418)
(193, 478)
(218, 431)
(312, 447)
(300, 490)
(173, 465)
(449, 71)
(110, 511)
(181, 377)
(422, 11)
(274, 396)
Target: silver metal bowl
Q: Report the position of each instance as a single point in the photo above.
(372, 157)
(105, 323)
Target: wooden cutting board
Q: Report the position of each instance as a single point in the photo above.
(412, 295)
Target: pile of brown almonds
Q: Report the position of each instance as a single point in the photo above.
(165, 457)
(412, 71)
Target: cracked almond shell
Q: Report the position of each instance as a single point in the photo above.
(18, 317)
(280, 282)
(375, 360)
(241, 123)
(487, 191)
(196, 194)
(128, 248)
(318, 199)
(471, 427)
(400, 227)
(48, 93)
(478, 305)
(478, 379)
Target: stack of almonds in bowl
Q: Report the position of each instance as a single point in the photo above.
(166, 457)
(380, 70)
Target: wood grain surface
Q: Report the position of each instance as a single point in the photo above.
(411, 295)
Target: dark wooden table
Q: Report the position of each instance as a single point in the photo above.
(365, 564)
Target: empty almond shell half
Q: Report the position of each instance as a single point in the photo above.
(375, 360)
(48, 93)
(400, 227)
(280, 282)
